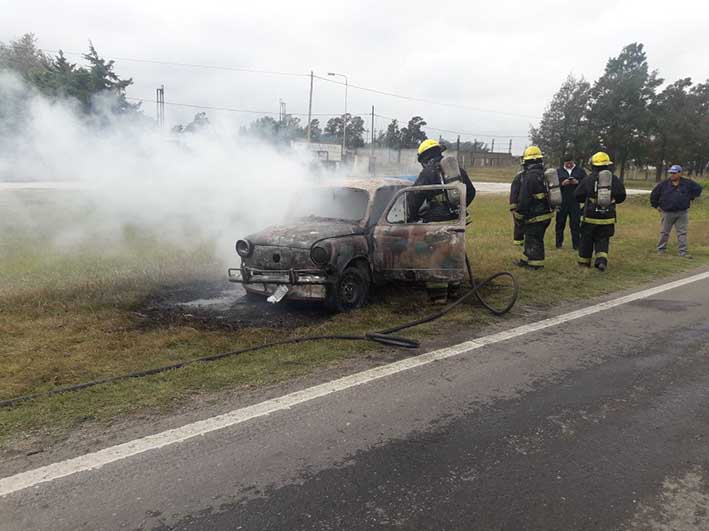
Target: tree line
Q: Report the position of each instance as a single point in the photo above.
(57, 77)
(290, 128)
(630, 113)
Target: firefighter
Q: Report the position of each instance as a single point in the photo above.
(438, 207)
(532, 210)
(600, 192)
(430, 154)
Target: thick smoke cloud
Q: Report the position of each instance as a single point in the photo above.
(214, 185)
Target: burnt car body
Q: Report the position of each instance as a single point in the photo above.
(345, 236)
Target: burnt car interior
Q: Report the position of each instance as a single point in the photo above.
(404, 208)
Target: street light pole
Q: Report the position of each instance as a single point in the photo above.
(344, 118)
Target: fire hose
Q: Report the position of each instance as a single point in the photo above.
(383, 337)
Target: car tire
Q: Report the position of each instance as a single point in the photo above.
(351, 290)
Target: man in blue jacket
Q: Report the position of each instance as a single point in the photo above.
(672, 197)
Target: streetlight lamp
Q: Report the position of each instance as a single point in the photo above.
(344, 118)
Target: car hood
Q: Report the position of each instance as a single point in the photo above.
(303, 234)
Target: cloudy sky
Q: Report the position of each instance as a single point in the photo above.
(498, 62)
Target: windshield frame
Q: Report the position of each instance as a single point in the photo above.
(365, 214)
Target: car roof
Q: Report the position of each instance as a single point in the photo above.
(369, 185)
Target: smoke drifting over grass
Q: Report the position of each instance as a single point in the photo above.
(213, 186)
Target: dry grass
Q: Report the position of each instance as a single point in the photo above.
(67, 310)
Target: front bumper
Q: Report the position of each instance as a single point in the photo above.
(303, 284)
(294, 277)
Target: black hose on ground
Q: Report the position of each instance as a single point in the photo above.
(383, 337)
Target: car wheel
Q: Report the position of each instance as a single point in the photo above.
(351, 290)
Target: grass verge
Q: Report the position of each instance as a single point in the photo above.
(68, 305)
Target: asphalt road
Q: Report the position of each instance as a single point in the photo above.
(597, 423)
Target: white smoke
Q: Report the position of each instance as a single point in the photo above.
(214, 185)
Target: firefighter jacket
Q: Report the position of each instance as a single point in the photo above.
(439, 207)
(528, 195)
(671, 198)
(586, 194)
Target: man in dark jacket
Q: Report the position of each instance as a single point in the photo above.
(530, 207)
(597, 222)
(570, 176)
(673, 197)
(439, 206)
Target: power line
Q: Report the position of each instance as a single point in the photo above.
(193, 65)
(228, 109)
(271, 113)
(304, 75)
(424, 100)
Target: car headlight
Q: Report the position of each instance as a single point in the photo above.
(320, 255)
(244, 248)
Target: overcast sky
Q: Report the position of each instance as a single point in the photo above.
(503, 56)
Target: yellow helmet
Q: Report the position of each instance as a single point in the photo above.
(601, 159)
(429, 144)
(532, 153)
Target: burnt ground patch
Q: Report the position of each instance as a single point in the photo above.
(216, 304)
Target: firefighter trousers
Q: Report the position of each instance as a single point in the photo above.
(533, 253)
(518, 230)
(595, 239)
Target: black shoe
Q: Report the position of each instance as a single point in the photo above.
(521, 263)
(559, 247)
(601, 266)
(536, 268)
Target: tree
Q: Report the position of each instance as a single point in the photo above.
(265, 128)
(315, 131)
(355, 130)
(277, 132)
(103, 80)
(619, 104)
(670, 112)
(564, 127)
(58, 78)
(698, 128)
(412, 135)
(392, 138)
(24, 57)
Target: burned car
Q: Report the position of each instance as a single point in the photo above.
(341, 238)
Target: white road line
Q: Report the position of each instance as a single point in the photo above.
(95, 460)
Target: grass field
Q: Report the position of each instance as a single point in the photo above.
(69, 307)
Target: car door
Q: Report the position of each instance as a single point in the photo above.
(409, 246)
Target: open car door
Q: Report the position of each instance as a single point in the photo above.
(417, 246)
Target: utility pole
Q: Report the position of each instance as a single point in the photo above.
(371, 151)
(509, 148)
(492, 149)
(282, 113)
(160, 103)
(457, 149)
(344, 118)
(310, 105)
